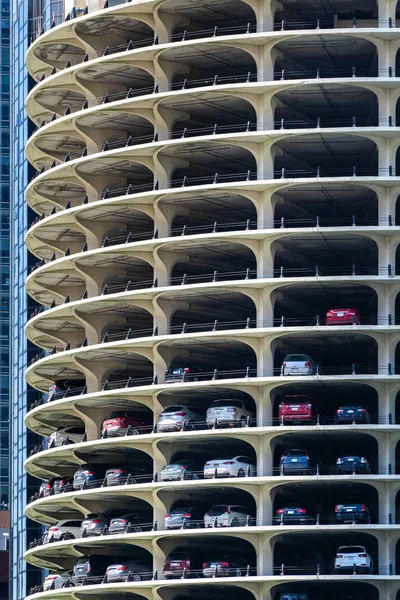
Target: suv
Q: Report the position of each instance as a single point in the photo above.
(88, 477)
(296, 409)
(352, 413)
(352, 513)
(66, 529)
(190, 517)
(352, 464)
(179, 417)
(342, 316)
(292, 516)
(187, 468)
(119, 422)
(353, 558)
(178, 562)
(185, 370)
(89, 566)
(72, 434)
(298, 364)
(228, 413)
(295, 461)
(222, 515)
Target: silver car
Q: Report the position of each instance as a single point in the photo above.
(298, 364)
(94, 525)
(178, 418)
(132, 570)
(55, 581)
(228, 413)
(185, 469)
(66, 529)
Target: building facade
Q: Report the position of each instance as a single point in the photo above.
(217, 241)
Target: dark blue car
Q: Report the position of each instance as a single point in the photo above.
(295, 462)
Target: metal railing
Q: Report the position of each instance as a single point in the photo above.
(214, 80)
(215, 326)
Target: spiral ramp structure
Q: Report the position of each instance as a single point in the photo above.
(212, 178)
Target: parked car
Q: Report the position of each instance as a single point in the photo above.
(67, 529)
(298, 364)
(65, 387)
(293, 596)
(295, 409)
(119, 422)
(135, 570)
(90, 566)
(185, 370)
(94, 525)
(187, 468)
(45, 489)
(237, 466)
(352, 513)
(119, 475)
(352, 464)
(296, 462)
(62, 485)
(88, 476)
(224, 568)
(185, 516)
(342, 316)
(136, 522)
(353, 558)
(231, 515)
(228, 413)
(71, 434)
(55, 581)
(292, 515)
(178, 562)
(53, 486)
(179, 417)
(352, 413)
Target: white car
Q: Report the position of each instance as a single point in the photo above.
(71, 434)
(238, 466)
(298, 364)
(179, 417)
(68, 529)
(55, 581)
(222, 515)
(353, 558)
(228, 413)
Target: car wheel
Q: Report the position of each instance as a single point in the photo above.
(191, 426)
(68, 536)
(137, 529)
(235, 522)
(137, 577)
(243, 422)
(195, 476)
(134, 432)
(240, 473)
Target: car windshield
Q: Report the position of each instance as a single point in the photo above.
(178, 556)
(295, 453)
(296, 358)
(351, 549)
(178, 511)
(350, 407)
(218, 509)
(223, 403)
(172, 409)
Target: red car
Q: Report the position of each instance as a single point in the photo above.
(177, 562)
(342, 316)
(296, 409)
(119, 422)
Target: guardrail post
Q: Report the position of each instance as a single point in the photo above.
(354, 121)
(317, 319)
(390, 171)
(248, 323)
(390, 518)
(354, 570)
(155, 576)
(317, 74)
(318, 569)
(282, 569)
(282, 274)
(389, 468)
(353, 369)
(316, 270)
(247, 371)
(247, 276)
(390, 22)
(215, 276)
(215, 374)
(215, 326)
(184, 573)
(248, 571)
(390, 70)
(390, 418)
(353, 269)
(318, 519)
(318, 174)
(353, 72)
(354, 170)
(389, 270)
(282, 321)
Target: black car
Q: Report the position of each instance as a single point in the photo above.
(352, 513)
(352, 413)
(292, 515)
(352, 464)
(88, 476)
(186, 370)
